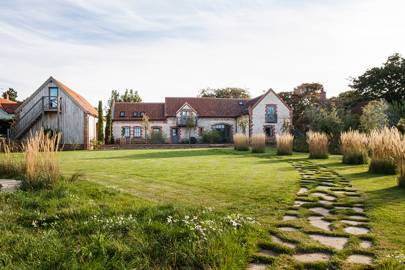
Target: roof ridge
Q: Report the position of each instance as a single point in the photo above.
(211, 98)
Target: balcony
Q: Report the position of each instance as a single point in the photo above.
(184, 121)
(51, 104)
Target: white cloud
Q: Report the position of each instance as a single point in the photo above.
(175, 49)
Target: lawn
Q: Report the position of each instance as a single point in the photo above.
(173, 209)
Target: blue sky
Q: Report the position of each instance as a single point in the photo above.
(174, 48)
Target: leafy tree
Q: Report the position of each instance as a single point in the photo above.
(130, 96)
(387, 81)
(304, 96)
(100, 126)
(11, 93)
(244, 123)
(395, 111)
(145, 125)
(228, 92)
(374, 116)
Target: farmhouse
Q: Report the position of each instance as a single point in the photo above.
(55, 107)
(179, 118)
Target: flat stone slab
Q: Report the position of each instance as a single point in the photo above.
(360, 259)
(319, 223)
(288, 229)
(323, 187)
(267, 252)
(330, 241)
(299, 203)
(326, 202)
(352, 222)
(358, 209)
(358, 217)
(366, 244)
(280, 241)
(256, 266)
(324, 196)
(320, 210)
(312, 257)
(9, 185)
(302, 191)
(289, 217)
(356, 230)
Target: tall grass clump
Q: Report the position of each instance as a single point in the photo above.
(258, 143)
(10, 165)
(41, 168)
(317, 144)
(241, 142)
(353, 146)
(284, 144)
(383, 144)
(400, 157)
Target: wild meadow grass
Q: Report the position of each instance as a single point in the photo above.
(317, 144)
(83, 225)
(383, 146)
(353, 146)
(284, 144)
(241, 142)
(258, 143)
(400, 157)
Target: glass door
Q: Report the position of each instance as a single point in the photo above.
(53, 97)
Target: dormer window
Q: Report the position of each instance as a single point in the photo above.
(122, 114)
(271, 113)
(137, 114)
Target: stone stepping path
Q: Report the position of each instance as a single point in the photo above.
(9, 185)
(327, 222)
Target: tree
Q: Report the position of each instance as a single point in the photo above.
(304, 96)
(11, 94)
(243, 123)
(108, 130)
(130, 96)
(374, 116)
(100, 126)
(145, 125)
(387, 81)
(228, 92)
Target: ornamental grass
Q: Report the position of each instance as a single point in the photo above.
(383, 146)
(353, 146)
(317, 144)
(258, 143)
(284, 144)
(400, 158)
(241, 142)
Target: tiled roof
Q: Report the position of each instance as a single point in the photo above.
(207, 107)
(78, 98)
(155, 111)
(8, 106)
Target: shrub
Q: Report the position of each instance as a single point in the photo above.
(300, 144)
(156, 137)
(241, 142)
(317, 144)
(354, 147)
(383, 145)
(284, 144)
(212, 136)
(258, 143)
(41, 168)
(400, 157)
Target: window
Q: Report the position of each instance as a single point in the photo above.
(137, 132)
(122, 114)
(269, 131)
(53, 97)
(126, 132)
(271, 113)
(156, 130)
(200, 131)
(137, 114)
(219, 127)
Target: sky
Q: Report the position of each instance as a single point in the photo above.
(175, 48)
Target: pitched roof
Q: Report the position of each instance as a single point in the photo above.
(155, 111)
(8, 106)
(207, 107)
(78, 98)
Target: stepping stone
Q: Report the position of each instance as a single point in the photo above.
(302, 191)
(267, 253)
(358, 217)
(342, 207)
(356, 230)
(319, 223)
(340, 192)
(352, 222)
(289, 217)
(278, 240)
(299, 203)
(312, 257)
(9, 185)
(358, 209)
(320, 210)
(256, 266)
(360, 259)
(326, 202)
(330, 241)
(366, 244)
(288, 229)
(323, 196)
(323, 187)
